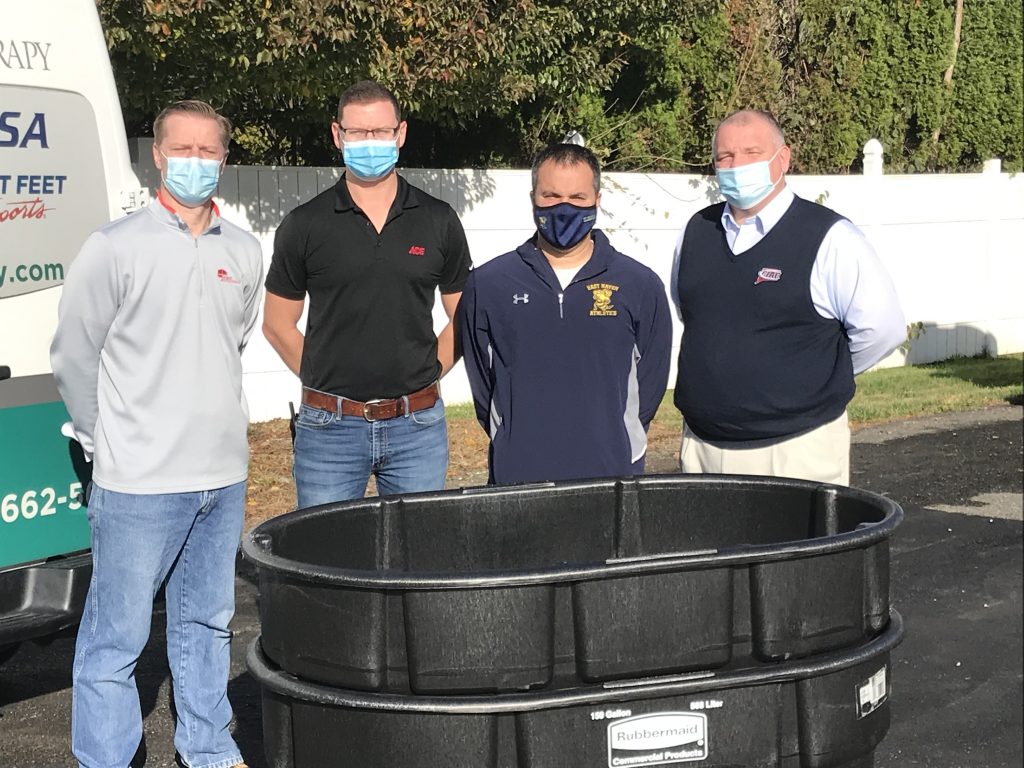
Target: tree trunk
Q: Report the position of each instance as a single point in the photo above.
(947, 79)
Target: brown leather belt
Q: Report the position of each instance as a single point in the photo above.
(373, 410)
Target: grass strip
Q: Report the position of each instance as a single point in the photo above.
(958, 384)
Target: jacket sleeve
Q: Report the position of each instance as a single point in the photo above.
(654, 343)
(88, 306)
(474, 338)
(253, 294)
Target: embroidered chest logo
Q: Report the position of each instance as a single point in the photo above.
(417, 250)
(225, 277)
(768, 275)
(603, 294)
(520, 299)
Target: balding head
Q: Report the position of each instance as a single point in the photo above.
(748, 117)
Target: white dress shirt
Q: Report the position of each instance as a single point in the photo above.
(848, 281)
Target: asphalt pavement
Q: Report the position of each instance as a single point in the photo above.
(956, 578)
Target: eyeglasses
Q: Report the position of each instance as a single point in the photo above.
(359, 134)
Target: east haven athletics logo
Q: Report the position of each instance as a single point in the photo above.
(768, 275)
(658, 739)
(603, 294)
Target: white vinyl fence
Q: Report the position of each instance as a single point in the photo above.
(954, 244)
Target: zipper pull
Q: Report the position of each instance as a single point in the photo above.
(561, 296)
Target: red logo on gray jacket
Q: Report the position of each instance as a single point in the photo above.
(225, 277)
(768, 275)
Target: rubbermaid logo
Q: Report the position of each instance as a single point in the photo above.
(658, 739)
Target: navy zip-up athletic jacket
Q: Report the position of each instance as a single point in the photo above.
(565, 381)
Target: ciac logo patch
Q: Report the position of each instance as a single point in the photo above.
(603, 294)
(768, 275)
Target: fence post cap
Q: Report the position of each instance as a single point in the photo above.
(873, 162)
(874, 147)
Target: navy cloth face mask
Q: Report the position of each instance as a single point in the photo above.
(564, 224)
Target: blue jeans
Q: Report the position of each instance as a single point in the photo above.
(188, 540)
(335, 455)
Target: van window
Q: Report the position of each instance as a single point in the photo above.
(52, 188)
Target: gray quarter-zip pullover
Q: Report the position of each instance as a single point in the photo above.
(147, 355)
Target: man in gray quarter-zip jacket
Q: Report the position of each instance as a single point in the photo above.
(155, 313)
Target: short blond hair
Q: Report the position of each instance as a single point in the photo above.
(192, 107)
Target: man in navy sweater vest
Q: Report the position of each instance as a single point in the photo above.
(783, 301)
(566, 341)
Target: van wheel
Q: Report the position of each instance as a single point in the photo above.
(6, 651)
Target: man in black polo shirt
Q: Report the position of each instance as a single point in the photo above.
(370, 252)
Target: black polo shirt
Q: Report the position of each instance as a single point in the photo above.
(370, 329)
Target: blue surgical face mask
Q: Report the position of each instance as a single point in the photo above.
(370, 159)
(744, 186)
(192, 180)
(564, 224)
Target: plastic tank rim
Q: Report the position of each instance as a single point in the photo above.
(697, 682)
(254, 546)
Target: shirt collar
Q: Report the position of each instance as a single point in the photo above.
(405, 197)
(165, 212)
(599, 261)
(766, 218)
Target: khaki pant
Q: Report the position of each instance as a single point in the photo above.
(822, 455)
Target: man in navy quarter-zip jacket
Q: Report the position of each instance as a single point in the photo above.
(566, 340)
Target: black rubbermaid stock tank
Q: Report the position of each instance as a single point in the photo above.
(709, 621)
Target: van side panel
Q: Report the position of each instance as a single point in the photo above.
(41, 511)
(53, 193)
(64, 171)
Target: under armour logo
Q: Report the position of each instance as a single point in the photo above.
(517, 299)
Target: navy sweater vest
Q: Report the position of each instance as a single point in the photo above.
(757, 362)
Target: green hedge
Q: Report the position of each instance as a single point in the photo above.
(489, 81)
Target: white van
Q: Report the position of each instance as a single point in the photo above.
(64, 171)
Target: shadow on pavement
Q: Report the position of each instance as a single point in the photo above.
(244, 693)
(38, 670)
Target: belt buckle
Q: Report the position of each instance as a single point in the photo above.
(366, 409)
